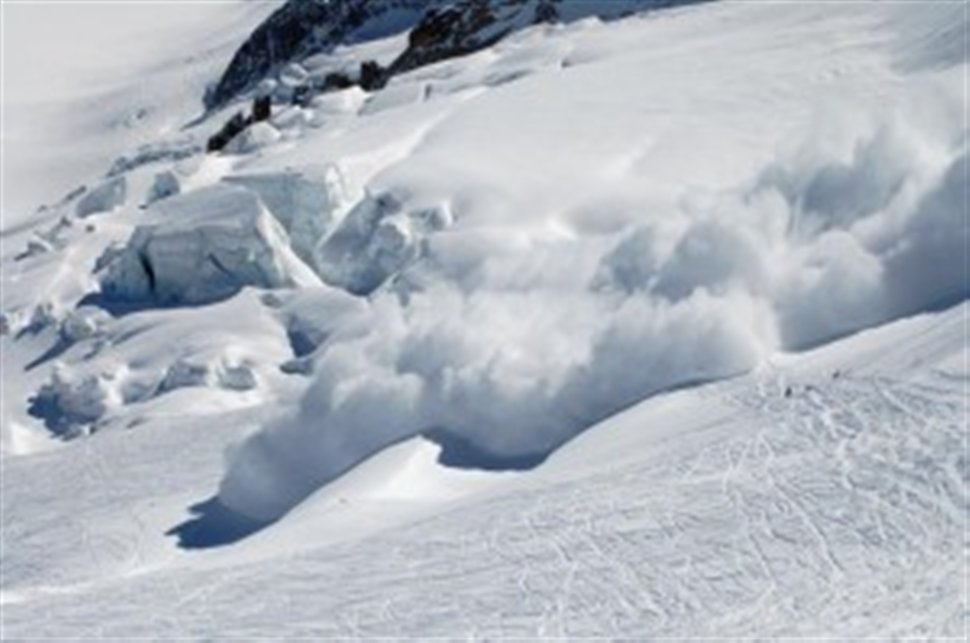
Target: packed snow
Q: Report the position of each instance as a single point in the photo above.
(645, 327)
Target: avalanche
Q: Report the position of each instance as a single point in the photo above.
(575, 330)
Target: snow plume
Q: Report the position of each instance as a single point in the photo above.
(877, 224)
(514, 343)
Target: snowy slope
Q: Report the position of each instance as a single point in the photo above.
(109, 78)
(728, 510)
(654, 327)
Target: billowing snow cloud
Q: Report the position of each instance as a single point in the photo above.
(514, 345)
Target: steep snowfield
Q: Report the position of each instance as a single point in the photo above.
(72, 106)
(572, 336)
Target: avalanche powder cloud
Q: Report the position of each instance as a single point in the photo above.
(514, 346)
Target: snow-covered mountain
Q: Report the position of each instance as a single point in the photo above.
(638, 321)
(437, 30)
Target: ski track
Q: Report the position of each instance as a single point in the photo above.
(831, 506)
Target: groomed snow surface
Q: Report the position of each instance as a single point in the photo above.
(575, 336)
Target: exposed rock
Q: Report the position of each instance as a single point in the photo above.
(462, 28)
(337, 80)
(233, 126)
(262, 108)
(439, 29)
(372, 76)
(303, 27)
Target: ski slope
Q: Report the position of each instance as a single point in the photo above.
(654, 327)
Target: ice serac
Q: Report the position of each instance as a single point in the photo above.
(377, 239)
(202, 247)
(304, 201)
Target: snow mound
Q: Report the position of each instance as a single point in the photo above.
(306, 202)
(73, 402)
(104, 197)
(202, 247)
(186, 372)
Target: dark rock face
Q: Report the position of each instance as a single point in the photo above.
(303, 27)
(464, 27)
(439, 29)
(233, 126)
(262, 108)
(372, 77)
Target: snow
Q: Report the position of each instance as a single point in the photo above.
(111, 77)
(253, 138)
(103, 198)
(374, 241)
(201, 247)
(651, 326)
(166, 184)
(520, 325)
(305, 202)
(841, 507)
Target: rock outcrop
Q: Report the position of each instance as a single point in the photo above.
(438, 30)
